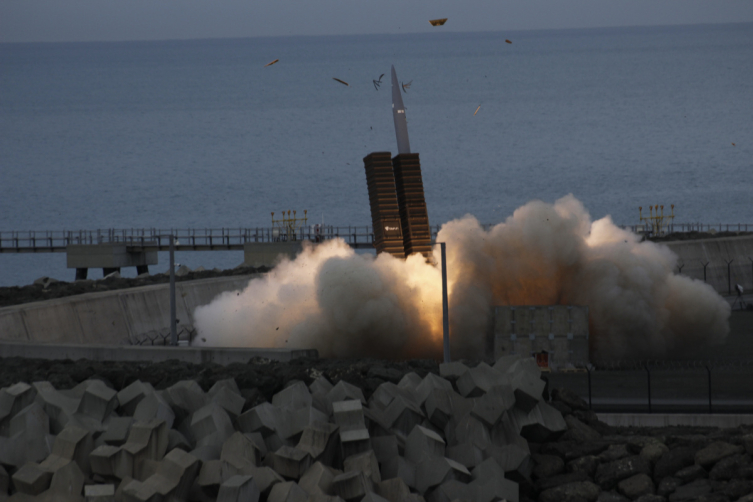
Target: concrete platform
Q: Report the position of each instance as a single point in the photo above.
(669, 419)
(137, 353)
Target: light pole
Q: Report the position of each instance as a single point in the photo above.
(445, 306)
(173, 327)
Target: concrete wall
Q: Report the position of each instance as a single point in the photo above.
(560, 330)
(266, 254)
(111, 317)
(717, 252)
(107, 255)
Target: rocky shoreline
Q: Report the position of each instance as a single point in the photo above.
(572, 458)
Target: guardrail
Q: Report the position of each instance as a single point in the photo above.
(40, 241)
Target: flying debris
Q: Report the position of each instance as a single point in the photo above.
(406, 86)
(341, 81)
(477, 109)
(733, 144)
(508, 41)
(438, 22)
(270, 64)
(377, 83)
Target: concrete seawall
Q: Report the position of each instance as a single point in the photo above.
(112, 317)
(717, 252)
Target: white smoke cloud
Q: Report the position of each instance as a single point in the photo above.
(345, 304)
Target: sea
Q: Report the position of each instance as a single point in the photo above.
(201, 134)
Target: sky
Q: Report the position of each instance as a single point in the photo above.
(115, 20)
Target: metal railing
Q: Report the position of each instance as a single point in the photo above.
(40, 241)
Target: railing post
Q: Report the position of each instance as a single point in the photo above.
(648, 373)
(173, 327)
(708, 371)
(588, 372)
(729, 275)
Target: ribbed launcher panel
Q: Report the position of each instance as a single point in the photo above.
(385, 211)
(414, 217)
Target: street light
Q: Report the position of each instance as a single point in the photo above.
(445, 306)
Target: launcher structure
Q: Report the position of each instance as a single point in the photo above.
(396, 193)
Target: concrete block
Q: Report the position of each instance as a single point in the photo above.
(207, 452)
(487, 470)
(471, 430)
(453, 370)
(186, 397)
(103, 460)
(513, 459)
(505, 432)
(399, 467)
(428, 384)
(293, 397)
(28, 431)
(453, 490)
(131, 396)
(211, 425)
(98, 401)
(174, 477)
(117, 431)
(154, 407)
(240, 452)
(212, 474)
(74, 443)
(177, 440)
(490, 407)
(31, 479)
(297, 420)
(227, 384)
(275, 442)
(354, 441)
(366, 463)
(542, 424)
(528, 387)
(261, 418)
(12, 400)
(68, 481)
(496, 489)
(317, 479)
(376, 422)
(438, 406)
(289, 462)
(265, 478)
(321, 442)
(394, 490)
(505, 363)
(348, 415)
(467, 454)
(152, 434)
(476, 381)
(288, 491)
(410, 383)
(423, 443)
(344, 391)
(352, 486)
(373, 497)
(99, 493)
(434, 471)
(403, 415)
(239, 489)
(56, 405)
(4, 482)
(385, 447)
(320, 386)
(228, 400)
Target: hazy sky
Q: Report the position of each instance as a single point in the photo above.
(86, 20)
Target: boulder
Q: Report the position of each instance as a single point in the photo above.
(609, 474)
(582, 491)
(714, 452)
(635, 486)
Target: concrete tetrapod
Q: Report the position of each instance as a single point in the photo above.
(239, 488)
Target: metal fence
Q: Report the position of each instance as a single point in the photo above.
(664, 386)
(39, 241)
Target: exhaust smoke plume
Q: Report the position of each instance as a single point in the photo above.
(350, 305)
